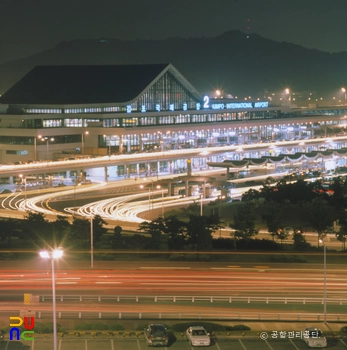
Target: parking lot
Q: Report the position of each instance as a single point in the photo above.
(176, 342)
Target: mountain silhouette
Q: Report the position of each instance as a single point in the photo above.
(240, 64)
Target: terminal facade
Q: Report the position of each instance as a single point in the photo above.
(57, 112)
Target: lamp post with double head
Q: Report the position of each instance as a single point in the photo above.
(53, 255)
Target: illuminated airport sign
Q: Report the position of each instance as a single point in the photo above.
(233, 105)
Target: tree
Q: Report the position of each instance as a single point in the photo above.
(244, 222)
(342, 234)
(300, 241)
(116, 240)
(59, 229)
(199, 231)
(80, 231)
(319, 218)
(272, 217)
(8, 229)
(98, 228)
(35, 226)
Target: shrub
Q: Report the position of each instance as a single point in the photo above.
(288, 259)
(98, 326)
(191, 257)
(84, 327)
(43, 328)
(209, 326)
(115, 327)
(241, 327)
(176, 257)
(108, 257)
(204, 257)
(143, 326)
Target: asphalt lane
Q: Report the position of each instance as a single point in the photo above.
(179, 343)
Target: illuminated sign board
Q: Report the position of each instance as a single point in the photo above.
(233, 105)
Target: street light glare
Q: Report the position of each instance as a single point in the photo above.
(57, 253)
(44, 254)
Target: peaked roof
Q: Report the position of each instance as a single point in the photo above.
(69, 85)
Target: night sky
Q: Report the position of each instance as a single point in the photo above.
(31, 26)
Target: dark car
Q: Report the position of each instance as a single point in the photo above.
(5, 191)
(155, 335)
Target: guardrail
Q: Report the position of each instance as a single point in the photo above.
(226, 316)
(192, 299)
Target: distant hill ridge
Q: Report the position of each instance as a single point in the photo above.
(231, 61)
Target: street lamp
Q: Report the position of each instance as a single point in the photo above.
(162, 199)
(24, 181)
(54, 254)
(83, 141)
(345, 92)
(325, 281)
(47, 139)
(91, 239)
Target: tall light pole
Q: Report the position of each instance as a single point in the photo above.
(54, 254)
(345, 92)
(325, 281)
(24, 181)
(91, 239)
(47, 139)
(149, 199)
(83, 141)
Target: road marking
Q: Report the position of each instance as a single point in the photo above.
(66, 282)
(163, 268)
(112, 345)
(86, 344)
(215, 343)
(59, 344)
(242, 344)
(267, 343)
(138, 344)
(262, 267)
(343, 343)
(106, 282)
(294, 344)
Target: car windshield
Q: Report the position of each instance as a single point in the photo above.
(199, 332)
(158, 331)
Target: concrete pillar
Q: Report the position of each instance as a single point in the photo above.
(140, 143)
(105, 174)
(121, 149)
(189, 167)
(127, 169)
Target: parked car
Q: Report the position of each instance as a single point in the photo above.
(314, 337)
(5, 191)
(155, 334)
(197, 336)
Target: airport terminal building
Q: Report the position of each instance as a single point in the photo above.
(57, 111)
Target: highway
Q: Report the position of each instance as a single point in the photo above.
(281, 280)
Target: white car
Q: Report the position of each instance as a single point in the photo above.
(314, 338)
(198, 336)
